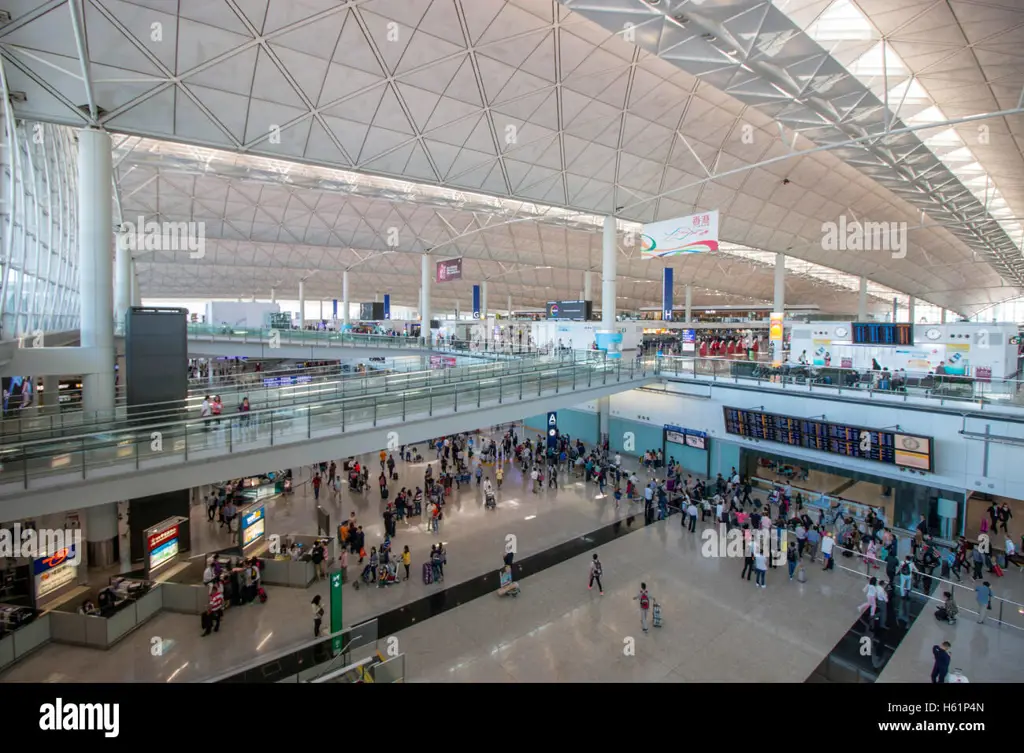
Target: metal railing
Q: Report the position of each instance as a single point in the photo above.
(941, 387)
(328, 386)
(162, 443)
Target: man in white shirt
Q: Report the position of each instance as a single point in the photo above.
(718, 509)
(618, 460)
(205, 410)
(826, 550)
(692, 512)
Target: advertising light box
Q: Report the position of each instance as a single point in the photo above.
(162, 547)
(252, 527)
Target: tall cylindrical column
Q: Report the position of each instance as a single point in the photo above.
(910, 309)
(588, 286)
(510, 305)
(862, 300)
(123, 275)
(96, 266)
(895, 310)
(779, 306)
(376, 297)
(51, 394)
(101, 533)
(483, 299)
(942, 316)
(302, 304)
(689, 303)
(344, 297)
(273, 295)
(609, 263)
(425, 302)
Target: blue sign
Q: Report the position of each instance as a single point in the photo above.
(476, 301)
(252, 517)
(387, 306)
(58, 558)
(284, 381)
(666, 293)
(689, 335)
(610, 343)
(335, 314)
(552, 430)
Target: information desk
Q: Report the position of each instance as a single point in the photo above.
(131, 604)
(22, 630)
(282, 570)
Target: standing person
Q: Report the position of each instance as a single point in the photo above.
(691, 511)
(316, 486)
(791, 560)
(827, 542)
(383, 459)
(215, 608)
(760, 567)
(595, 574)
(406, 560)
(748, 558)
(318, 615)
(941, 667)
(984, 595)
(645, 604)
(499, 475)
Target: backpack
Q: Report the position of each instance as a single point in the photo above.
(645, 601)
(597, 568)
(905, 569)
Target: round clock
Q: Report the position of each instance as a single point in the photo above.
(910, 443)
(933, 334)
(842, 331)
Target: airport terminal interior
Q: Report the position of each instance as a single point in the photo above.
(494, 341)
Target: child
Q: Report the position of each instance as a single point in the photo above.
(618, 496)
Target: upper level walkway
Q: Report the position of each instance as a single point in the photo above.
(126, 460)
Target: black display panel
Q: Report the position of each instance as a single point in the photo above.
(570, 310)
(892, 448)
(371, 312)
(871, 333)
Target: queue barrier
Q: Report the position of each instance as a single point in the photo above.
(24, 640)
(103, 632)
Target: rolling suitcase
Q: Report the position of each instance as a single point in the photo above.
(262, 595)
(656, 615)
(428, 573)
(957, 677)
(998, 571)
(206, 621)
(394, 475)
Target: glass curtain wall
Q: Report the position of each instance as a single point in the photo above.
(39, 287)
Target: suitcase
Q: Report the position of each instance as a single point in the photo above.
(394, 475)
(262, 595)
(206, 621)
(801, 575)
(998, 571)
(957, 677)
(384, 493)
(656, 615)
(428, 573)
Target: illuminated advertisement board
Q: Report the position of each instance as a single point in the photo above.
(252, 527)
(162, 547)
(775, 334)
(54, 571)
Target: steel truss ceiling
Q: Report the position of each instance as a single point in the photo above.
(522, 99)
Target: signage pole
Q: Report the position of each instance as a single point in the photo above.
(336, 620)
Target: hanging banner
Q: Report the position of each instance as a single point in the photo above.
(476, 301)
(666, 294)
(775, 330)
(693, 234)
(448, 270)
(387, 306)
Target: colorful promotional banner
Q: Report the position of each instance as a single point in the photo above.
(666, 294)
(387, 307)
(448, 270)
(693, 234)
(775, 331)
(476, 301)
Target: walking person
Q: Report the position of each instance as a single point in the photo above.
(645, 604)
(691, 511)
(941, 667)
(748, 560)
(215, 608)
(406, 560)
(984, 595)
(595, 574)
(760, 568)
(318, 615)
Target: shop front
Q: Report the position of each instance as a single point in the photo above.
(162, 545)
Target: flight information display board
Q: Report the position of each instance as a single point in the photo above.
(872, 333)
(893, 448)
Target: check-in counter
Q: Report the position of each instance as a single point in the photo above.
(103, 631)
(29, 635)
(288, 572)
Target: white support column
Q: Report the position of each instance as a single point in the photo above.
(689, 303)
(483, 300)
(302, 304)
(273, 295)
(588, 286)
(910, 309)
(101, 531)
(862, 300)
(609, 264)
(942, 316)
(779, 306)
(344, 298)
(96, 266)
(123, 275)
(136, 288)
(425, 302)
(509, 305)
(376, 297)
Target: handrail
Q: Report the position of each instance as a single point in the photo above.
(145, 420)
(930, 386)
(246, 432)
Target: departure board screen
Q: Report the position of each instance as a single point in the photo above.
(904, 450)
(872, 333)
